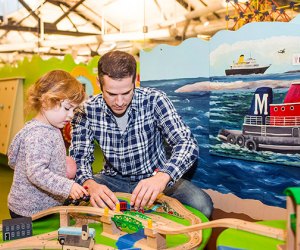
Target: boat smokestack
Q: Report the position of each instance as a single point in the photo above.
(260, 105)
(241, 59)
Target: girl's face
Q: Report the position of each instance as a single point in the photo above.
(60, 115)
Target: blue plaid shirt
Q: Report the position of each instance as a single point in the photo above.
(140, 149)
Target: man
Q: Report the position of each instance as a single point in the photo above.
(131, 125)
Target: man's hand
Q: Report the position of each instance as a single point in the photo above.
(147, 190)
(101, 195)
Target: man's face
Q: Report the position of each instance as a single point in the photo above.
(117, 94)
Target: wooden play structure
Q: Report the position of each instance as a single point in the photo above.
(11, 110)
(156, 227)
(293, 220)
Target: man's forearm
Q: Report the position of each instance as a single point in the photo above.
(163, 177)
(90, 182)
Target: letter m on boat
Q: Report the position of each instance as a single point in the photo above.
(261, 101)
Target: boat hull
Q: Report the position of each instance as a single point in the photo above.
(246, 71)
(286, 141)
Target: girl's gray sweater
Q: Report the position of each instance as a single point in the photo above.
(38, 156)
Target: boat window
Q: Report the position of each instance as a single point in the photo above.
(292, 108)
(282, 108)
(275, 109)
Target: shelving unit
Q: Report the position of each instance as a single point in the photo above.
(11, 110)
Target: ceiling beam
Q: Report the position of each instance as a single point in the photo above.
(185, 5)
(75, 11)
(36, 17)
(68, 12)
(204, 11)
(34, 53)
(65, 43)
(95, 13)
(49, 29)
(204, 3)
(160, 9)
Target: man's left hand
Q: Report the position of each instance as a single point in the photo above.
(147, 190)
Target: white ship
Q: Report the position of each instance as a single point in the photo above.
(246, 67)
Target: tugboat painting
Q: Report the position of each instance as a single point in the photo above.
(259, 121)
(268, 126)
(246, 67)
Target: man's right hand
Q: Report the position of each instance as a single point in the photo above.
(101, 195)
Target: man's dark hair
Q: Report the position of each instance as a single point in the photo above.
(117, 65)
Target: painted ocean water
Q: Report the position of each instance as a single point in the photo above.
(208, 107)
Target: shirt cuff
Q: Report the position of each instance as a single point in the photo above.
(83, 179)
(171, 182)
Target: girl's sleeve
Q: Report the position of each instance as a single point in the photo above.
(38, 159)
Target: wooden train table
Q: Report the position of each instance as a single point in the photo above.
(238, 239)
(154, 229)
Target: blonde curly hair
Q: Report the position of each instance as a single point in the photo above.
(52, 88)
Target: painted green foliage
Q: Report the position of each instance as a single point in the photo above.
(32, 69)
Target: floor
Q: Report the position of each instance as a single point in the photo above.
(6, 175)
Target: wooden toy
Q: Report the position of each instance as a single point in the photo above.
(153, 227)
(72, 238)
(16, 228)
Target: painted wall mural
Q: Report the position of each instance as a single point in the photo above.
(233, 91)
(258, 125)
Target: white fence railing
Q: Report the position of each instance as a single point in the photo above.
(273, 120)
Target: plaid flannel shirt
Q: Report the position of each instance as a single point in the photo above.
(140, 149)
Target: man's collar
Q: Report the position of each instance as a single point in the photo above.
(134, 100)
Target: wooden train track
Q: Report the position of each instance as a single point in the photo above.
(160, 226)
(229, 223)
(195, 237)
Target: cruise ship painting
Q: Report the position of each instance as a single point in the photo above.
(246, 67)
(268, 126)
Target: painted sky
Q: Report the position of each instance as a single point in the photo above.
(265, 51)
(261, 41)
(188, 60)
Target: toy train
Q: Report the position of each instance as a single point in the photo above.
(85, 198)
(125, 206)
(76, 202)
(76, 236)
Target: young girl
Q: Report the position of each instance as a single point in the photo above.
(38, 154)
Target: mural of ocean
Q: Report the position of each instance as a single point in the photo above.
(249, 175)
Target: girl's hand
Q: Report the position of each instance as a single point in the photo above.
(77, 191)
